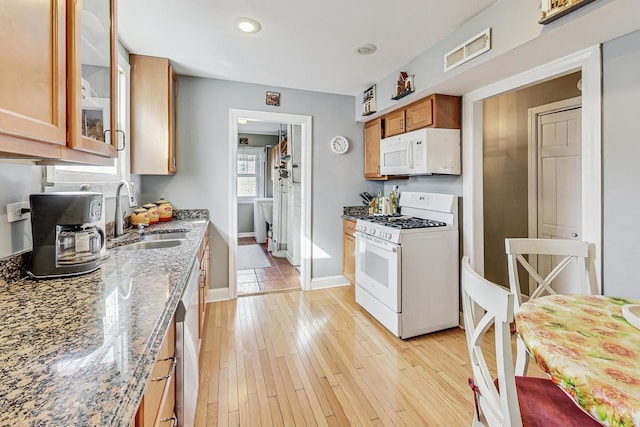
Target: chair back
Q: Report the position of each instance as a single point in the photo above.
(486, 304)
(566, 250)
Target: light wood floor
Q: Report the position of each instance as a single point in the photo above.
(316, 358)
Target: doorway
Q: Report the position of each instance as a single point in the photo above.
(588, 62)
(268, 193)
(302, 240)
(508, 166)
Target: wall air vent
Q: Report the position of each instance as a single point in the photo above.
(473, 47)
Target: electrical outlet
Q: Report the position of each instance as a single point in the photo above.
(14, 211)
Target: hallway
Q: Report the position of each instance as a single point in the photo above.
(280, 275)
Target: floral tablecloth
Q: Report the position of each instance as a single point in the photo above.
(589, 349)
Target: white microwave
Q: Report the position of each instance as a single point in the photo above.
(421, 152)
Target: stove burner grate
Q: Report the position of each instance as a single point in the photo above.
(404, 222)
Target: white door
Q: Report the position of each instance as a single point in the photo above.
(558, 173)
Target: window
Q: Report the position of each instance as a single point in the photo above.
(70, 176)
(250, 173)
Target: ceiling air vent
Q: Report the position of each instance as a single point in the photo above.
(473, 47)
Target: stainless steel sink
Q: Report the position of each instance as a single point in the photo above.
(152, 244)
(164, 236)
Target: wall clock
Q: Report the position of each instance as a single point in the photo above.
(339, 145)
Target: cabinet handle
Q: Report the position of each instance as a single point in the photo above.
(401, 123)
(408, 122)
(174, 420)
(172, 370)
(124, 139)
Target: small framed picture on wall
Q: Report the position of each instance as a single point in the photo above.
(244, 141)
(273, 98)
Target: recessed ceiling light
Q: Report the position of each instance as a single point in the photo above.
(242, 121)
(365, 49)
(248, 25)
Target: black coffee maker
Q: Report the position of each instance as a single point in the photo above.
(66, 237)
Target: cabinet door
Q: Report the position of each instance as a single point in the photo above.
(419, 114)
(173, 122)
(91, 64)
(349, 258)
(153, 116)
(394, 123)
(33, 77)
(372, 136)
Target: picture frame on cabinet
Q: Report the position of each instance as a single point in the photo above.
(555, 9)
(369, 101)
(273, 98)
(404, 86)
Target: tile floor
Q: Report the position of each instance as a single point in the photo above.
(281, 275)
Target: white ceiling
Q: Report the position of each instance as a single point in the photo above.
(302, 45)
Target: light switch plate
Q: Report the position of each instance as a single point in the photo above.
(14, 211)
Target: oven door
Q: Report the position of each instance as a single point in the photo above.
(378, 269)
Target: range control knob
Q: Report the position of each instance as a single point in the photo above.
(373, 231)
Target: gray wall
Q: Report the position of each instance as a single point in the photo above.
(203, 174)
(505, 168)
(621, 175)
(17, 182)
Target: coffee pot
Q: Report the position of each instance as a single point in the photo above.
(67, 238)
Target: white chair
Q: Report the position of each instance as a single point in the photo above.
(569, 251)
(509, 400)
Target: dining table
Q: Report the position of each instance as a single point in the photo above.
(588, 348)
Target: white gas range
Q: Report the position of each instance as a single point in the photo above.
(407, 265)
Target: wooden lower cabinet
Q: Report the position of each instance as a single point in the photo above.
(204, 256)
(157, 407)
(349, 250)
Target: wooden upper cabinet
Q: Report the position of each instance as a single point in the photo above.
(92, 73)
(438, 111)
(32, 83)
(57, 92)
(394, 123)
(419, 114)
(153, 116)
(372, 134)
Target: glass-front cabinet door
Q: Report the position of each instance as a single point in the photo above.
(92, 76)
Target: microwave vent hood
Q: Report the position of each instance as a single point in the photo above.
(421, 152)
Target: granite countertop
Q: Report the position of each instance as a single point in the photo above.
(79, 351)
(354, 213)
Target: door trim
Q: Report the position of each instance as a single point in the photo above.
(554, 107)
(305, 227)
(587, 61)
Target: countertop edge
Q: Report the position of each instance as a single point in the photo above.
(134, 391)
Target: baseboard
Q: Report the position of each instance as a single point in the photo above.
(249, 234)
(329, 282)
(218, 294)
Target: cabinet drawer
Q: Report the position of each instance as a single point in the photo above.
(160, 390)
(166, 414)
(348, 227)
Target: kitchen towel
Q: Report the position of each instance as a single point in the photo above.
(251, 256)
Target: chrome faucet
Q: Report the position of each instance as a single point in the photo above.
(119, 220)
